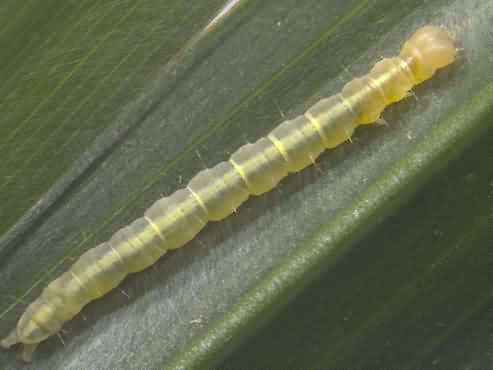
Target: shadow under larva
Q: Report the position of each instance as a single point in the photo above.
(215, 193)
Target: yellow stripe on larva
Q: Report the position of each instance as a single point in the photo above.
(240, 171)
(316, 124)
(215, 193)
(154, 227)
(76, 278)
(198, 199)
(377, 86)
(120, 258)
(280, 146)
(349, 105)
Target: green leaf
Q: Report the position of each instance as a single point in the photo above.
(106, 106)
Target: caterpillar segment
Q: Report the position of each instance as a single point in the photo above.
(215, 193)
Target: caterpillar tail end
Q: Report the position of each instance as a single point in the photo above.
(28, 349)
(10, 339)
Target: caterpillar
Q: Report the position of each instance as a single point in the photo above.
(215, 193)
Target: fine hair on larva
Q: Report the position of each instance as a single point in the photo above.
(215, 193)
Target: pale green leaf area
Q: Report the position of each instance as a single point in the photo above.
(377, 257)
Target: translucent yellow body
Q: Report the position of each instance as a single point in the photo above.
(215, 193)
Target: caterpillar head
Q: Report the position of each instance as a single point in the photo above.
(429, 49)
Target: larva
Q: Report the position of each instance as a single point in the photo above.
(215, 193)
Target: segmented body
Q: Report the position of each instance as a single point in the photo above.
(215, 193)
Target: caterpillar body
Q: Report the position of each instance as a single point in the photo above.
(215, 193)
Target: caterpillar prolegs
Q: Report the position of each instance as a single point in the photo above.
(215, 193)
